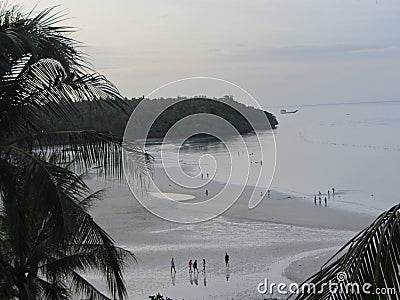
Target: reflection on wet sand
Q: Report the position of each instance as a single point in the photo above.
(173, 278)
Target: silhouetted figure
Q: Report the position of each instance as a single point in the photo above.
(190, 266)
(226, 259)
(202, 175)
(207, 193)
(195, 266)
(315, 200)
(329, 193)
(269, 193)
(173, 265)
(208, 175)
(204, 265)
(319, 198)
(326, 201)
(333, 191)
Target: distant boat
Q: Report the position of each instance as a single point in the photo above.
(284, 111)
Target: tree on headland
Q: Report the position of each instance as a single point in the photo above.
(367, 267)
(48, 240)
(227, 108)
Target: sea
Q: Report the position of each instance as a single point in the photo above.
(352, 148)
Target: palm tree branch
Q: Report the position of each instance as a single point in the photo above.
(82, 286)
(84, 150)
(372, 256)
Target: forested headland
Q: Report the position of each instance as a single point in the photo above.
(94, 117)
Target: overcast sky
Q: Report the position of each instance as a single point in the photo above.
(284, 52)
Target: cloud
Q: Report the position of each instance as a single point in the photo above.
(307, 53)
(120, 59)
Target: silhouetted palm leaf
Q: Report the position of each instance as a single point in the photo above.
(371, 257)
(48, 240)
(32, 220)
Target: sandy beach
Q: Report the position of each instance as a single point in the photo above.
(285, 239)
(253, 138)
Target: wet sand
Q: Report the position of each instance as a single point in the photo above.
(279, 208)
(271, 241)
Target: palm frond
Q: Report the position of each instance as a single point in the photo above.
(40, 35)
(134, 160)
(83, 287)
(371, 257)
(110, 258)
(55, 196)
(52, 290)
(47, 237)
(42, 72)
(47, 185)
(46, 90)
(81, 151)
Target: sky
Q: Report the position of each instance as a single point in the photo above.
(283, 52)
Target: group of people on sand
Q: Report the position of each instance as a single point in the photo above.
(268, 194)
(202, 175)
(325, 198)
(193, 265)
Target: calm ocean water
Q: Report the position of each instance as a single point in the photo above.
(350, 147)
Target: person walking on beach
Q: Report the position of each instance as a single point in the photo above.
(202, 176)
(204, 265)
(319, 198)
(190, 266)
(208, 175)
(226, 259)
(333, 191)
(173, 265)
(207, 193)
(326, 201)
(195, 266)
(329, 193)
(315, 200)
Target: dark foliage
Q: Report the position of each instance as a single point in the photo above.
(114, 121)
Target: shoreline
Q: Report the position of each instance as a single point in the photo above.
(280, 208)
(256, 242)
